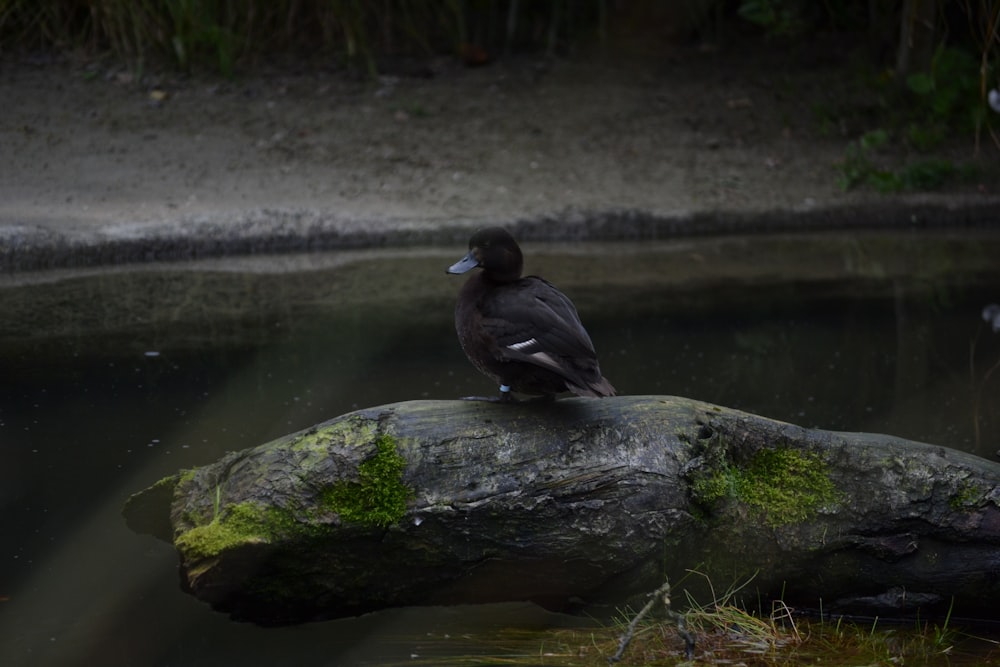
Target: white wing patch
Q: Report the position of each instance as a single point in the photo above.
(539, 357)
(523, 344)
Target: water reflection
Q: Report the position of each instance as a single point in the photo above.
(870, 333)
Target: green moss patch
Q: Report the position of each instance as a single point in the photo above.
(238, 525)
(782, 485)
(355, 431)
(379, 496)
(967, 496)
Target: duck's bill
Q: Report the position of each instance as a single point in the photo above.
(467, 263)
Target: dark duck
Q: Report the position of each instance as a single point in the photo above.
(522, 332)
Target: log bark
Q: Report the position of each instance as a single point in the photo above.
(579, 501)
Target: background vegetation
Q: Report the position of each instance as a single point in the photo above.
(226, 34)
(931, 63)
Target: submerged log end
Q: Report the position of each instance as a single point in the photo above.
(148, 511)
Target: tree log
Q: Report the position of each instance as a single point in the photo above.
(578, 500)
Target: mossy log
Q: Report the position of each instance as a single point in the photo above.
(578, 501)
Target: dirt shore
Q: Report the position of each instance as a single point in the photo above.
(100, 169)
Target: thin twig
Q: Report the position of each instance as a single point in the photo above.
(978, 386)
(661, 593)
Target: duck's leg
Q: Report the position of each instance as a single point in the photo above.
(507, 397)
(491, 399)
(504, 397)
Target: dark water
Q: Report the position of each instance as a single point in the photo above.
(113, 380)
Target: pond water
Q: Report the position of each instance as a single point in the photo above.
(113, 379)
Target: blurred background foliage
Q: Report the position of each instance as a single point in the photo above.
(229, 34)
(933, 63)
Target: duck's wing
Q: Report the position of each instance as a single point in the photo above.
(532, 321)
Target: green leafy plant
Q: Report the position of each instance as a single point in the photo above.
(863, 165)
(947, 100)
(776, 17)
(949, 92)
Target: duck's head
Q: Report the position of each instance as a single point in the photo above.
(496, 252)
